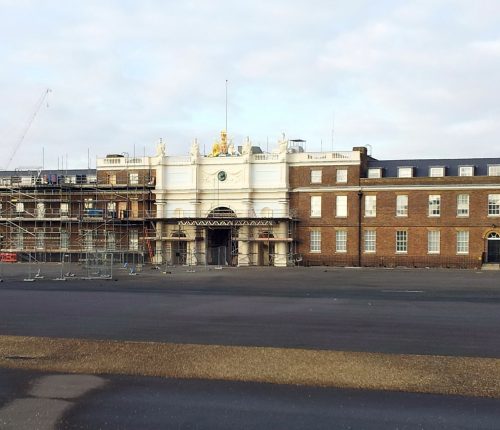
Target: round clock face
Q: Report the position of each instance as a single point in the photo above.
(222, 176)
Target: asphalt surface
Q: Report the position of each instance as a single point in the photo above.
(124, 402)
(390, 311)
(440, 312)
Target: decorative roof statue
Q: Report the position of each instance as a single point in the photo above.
(160, 148)
(283, 144)
(220, 147)
(247, 147)
(195, 149)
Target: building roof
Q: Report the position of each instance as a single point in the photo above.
(421, 166)
(59, 172)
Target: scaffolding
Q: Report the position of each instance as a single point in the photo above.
(75, 216)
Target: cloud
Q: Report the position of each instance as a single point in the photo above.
(419, 78)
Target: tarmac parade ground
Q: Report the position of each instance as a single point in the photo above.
(254, 326)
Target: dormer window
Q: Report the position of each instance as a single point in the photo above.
(494, 170)
(466, 171)
(436, 172)
(374, 172)
(405, 172)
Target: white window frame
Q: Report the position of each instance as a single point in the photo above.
(341, 176)
(64, 208)
(462, 242)
(133, 240)
(315, 207)
(493, 205)
(434, 205)
(433, 242)
(402, 205)
(19, 207)
(133, 178)
(64, 240)
(401, 241)
(463, 205)
(370, 241)
(315, 242)
(374, 173)
(465, 170)
(436, 172)
(341, 209)
(316, 176)
(341, 241)
(110, 241)
(405, 172)
(370, 206)
(494, 170)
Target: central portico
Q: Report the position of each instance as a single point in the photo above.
(230, 208)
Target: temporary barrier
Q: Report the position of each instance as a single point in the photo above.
(8, 257)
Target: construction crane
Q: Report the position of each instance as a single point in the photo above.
(38, 105)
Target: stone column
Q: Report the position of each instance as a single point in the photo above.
(281, 247)
(243, 246)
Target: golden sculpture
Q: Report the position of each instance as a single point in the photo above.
(220, 147)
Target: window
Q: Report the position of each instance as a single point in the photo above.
(133, 240)
(436, 172)
(375, 172)
(40, 210)
(88, 240)
(493, 204)
(405, 172)
(494, 170)
(463, 205)
(315, 241)
(466, 171)
(19, 207)
(315, 206)
(64, 209)
(370, 206)
(64, 242)
(433, 241)
(110, 241)
(342, 176)
(434, 205)
(341, 206)
(112, 178)
(402, 205)
(111, 207)
(401, 241)
(39, 239)
(462, 242)
(19, 240)
(370, 240)
(133, 178)
(88, 203)
(316, 176)
(341, 241)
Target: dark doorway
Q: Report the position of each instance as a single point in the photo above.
(493, 249)
(179, 248)
(221, 249)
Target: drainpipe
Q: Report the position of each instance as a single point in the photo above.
(360, 199)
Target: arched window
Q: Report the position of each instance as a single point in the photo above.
(493, 235)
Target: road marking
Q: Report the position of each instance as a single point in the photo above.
(402, 291)
(468, 376)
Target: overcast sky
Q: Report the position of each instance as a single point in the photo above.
(409, 78)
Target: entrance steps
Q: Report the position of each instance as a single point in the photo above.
(490, 266)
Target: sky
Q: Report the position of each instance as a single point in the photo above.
(407, 79)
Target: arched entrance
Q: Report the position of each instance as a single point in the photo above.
(222, 247)
(266, 249)
(493, 248)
